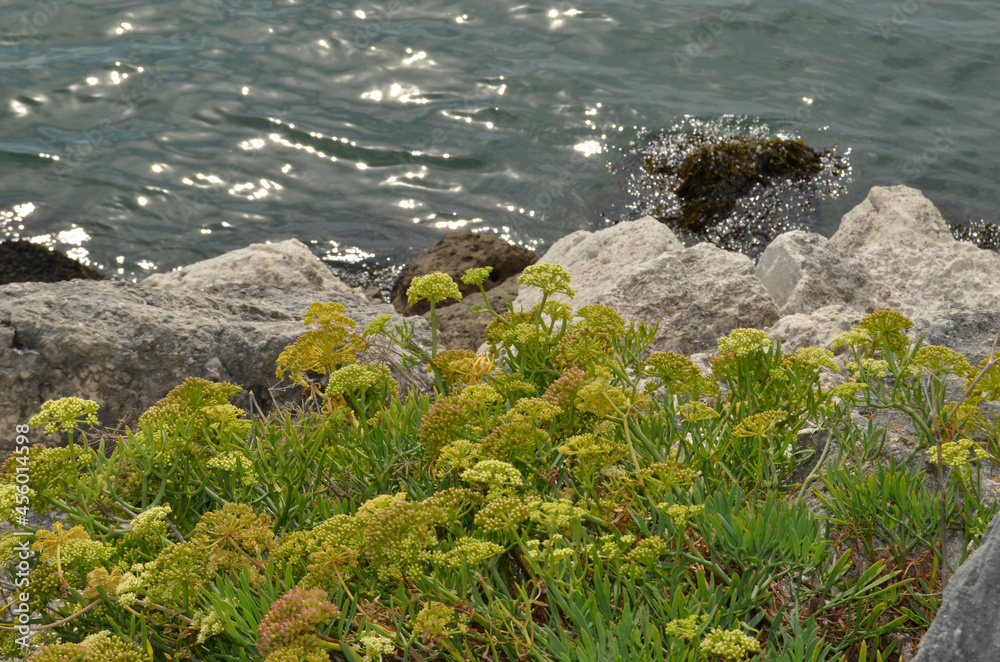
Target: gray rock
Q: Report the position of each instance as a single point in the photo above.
(970, 332)
(967, 626)
(453, 255)
(287, 266)
(815, 329)
(699, 294)
(126, 345)
(591, 258)
(804, 272)
(921, 270)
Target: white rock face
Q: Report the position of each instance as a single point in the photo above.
(126, 345)
(644, 272)
(593, 257)
(804, 272)
(285, 265)
(919, 268)
(815, 329)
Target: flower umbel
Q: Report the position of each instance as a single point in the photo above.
(433, 287)
(65, 415)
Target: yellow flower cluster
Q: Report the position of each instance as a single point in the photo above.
(477, 275)
(550, 278)
(433, 287)
(500, 478)
(680, 514)
(231, 461)
(375, 646)
(729, 644)
(759, 424)
(959, 454)
(873, 367)
(744, 342)
(470, 551)
(65, 415)
(686, 628)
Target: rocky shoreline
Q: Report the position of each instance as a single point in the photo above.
(227, 318)
(126, 345)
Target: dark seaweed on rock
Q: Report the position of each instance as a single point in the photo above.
(735, 190)
(981, 233)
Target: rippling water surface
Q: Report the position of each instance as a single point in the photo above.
(145, 135)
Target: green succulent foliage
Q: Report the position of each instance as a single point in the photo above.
(570, 495)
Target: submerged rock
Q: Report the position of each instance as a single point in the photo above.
(736, 187)
(26, 262)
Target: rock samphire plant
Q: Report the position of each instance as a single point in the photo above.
(569, 495)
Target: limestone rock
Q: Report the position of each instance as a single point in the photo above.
(287, 265)
(967, 626)
(453, 255)
(126, 345)
(804, 272)
(699, 294)
(591, 258)
(920, 268)
(815, 329)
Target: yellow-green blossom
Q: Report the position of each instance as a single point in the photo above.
(433, 287)
(377, 325)
(686, 628)
(959, 454)
(231, 461)
(680, 514)
(458, 455)
(65, 415)
(873, 367)
(744, 342)
(729, 644)
(499, 477)
(938, 360)
(550, 278)
(694, 412)
(759, 424)
(476, 275)
(375, 646)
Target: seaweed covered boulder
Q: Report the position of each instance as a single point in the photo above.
(737, 187)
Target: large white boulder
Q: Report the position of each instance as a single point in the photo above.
(804, 272)
(126, 345)
(919, 268)
(644, 272)
(591, 258)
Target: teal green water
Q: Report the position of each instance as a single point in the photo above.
(142, 136)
